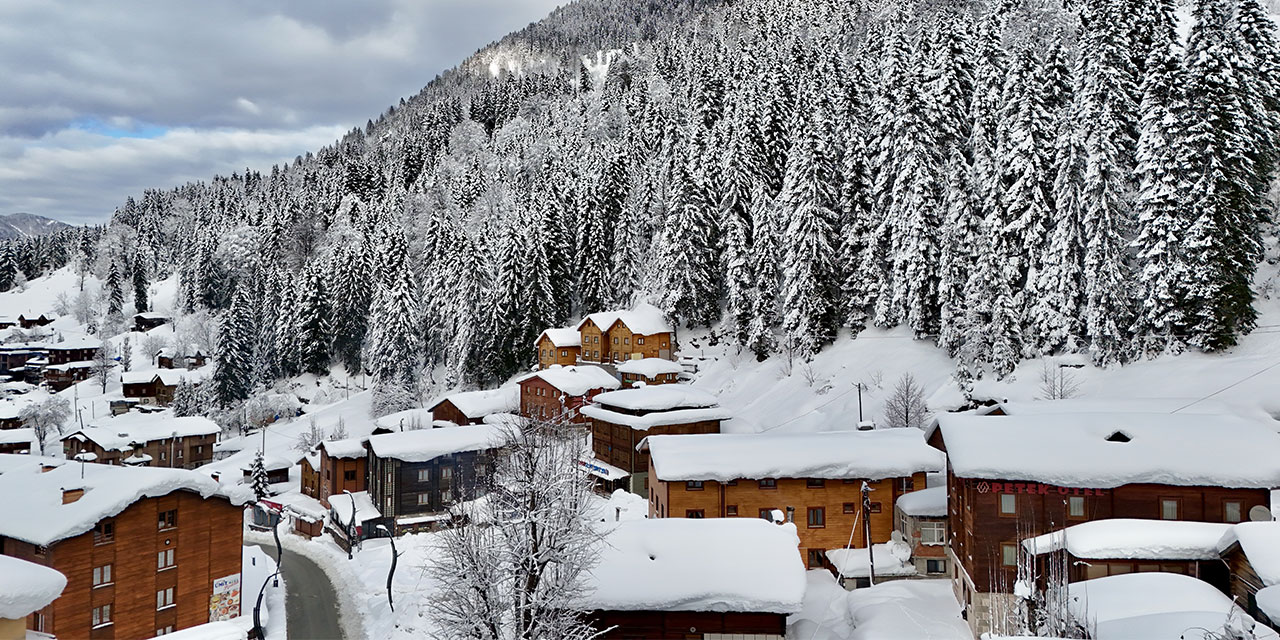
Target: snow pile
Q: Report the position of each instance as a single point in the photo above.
(411, 419)
(572, 381)
(1268, 599)
(428, 444)
(1105, 450)
(662, 397)
(897, 610)
(1133, 539)
(478, 404)
(679, 564)
(26, 587)
(925, 503)
(1260, 542)
(340, 506)
(892, 558)
(34, 507)
(562, 337)
(872, 455)
(122, 432)
(649, 367)
(1157, 606)
(645, 319)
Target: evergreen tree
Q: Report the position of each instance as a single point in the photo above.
(350, 294)
(395, 347)
(312, 323)
(258, 477)
(232, 375)
(1057, 292)
(764, 255)
(186, 400)
(8, 268)
(115, 294)
(687, 254)
(956, 260)
(140, 287)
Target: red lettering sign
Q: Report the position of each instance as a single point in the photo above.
(1039, 488)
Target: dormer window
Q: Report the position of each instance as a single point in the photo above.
(1119, 436)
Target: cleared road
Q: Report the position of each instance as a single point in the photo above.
(311, 604)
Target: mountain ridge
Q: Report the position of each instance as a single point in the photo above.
(27, 225)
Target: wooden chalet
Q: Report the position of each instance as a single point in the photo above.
(157, 386)
(305, 514)
(10, 416)
(615, 336)
(559, 393)
(561, 346)
(342, 467)
(19, 441)
(1014, 476)
(168, 358)
(145, 551)
(708, 579)
(815, 478)
(14, 357)
(468, 407)
(922, 519)
(1119, 546)
(145, 440)
(32, 321)
(1251, 552)
(78, 350)
(277, 467)
(61, 376)
(414, 476)
(7, 321)
(621, 419)
(149, 320)
(649, 371)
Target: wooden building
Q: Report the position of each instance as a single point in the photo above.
(621, 419)
(28, 321)
(816, 478)
(560, 346)
(709, 579)
(649, 371)
(77, 350)
(146, 440)
(1014, 476)
(61, 376)
(14, 357)
(468, 407)
(922, 520)
(157, 386)
(343, 465)
(1118, 546)
(1251, 552)
(615, 336)
(145, 551)
(415, 475)
(149, 320)
(277, 467)
(7, 321)
(19, 441)
(10, 416)
(559, 393)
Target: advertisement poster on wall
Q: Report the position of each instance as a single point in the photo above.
(224, 604)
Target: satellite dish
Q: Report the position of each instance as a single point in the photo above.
(1260, 514)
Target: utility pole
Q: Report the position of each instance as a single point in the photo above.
(859, 403)
(866, 532)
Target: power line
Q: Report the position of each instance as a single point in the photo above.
(1233, 384)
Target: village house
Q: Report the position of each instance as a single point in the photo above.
(649, 371)
(815, 478)
(26, 588)
(1118, 546)
(415, 475)
(470, 407)
(145, 551)
(7, 321)
(560, 346)
(708, 579)
(1251, 552)
(28, 321)
(149, 320)
(1014, 476)
(157, 386)
(305, 514)
(19, 441)
(143, 440)
(342, 468)
(922, 520)
(15, 356)
(76, 350)
(10, 415)
(560, 392)
(277, 467)
(615, 336)
(621, 419)
(61, 376)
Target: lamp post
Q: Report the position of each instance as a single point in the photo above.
(257, 633)
(351, 525)
(392, 572)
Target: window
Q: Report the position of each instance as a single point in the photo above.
(1075, 507)
(164, 598)
(164, 560)
(424, 475)
(815, 558)
(102, 615)
(615, 339)
(564, 353)
(162, 456)
(767, 514)
(935, 567)
(933, 532)
(640, 340)
(1008, 504)
(424, 499)
(1168, 509)
(102, 575)
(731, 483)
(768, 483)
(817, 517)
(168, 519)
(179, 453)
(849, 507)
(693, 485)
(731, 510)
(815, 483)
(694, 513)
(1009, 554)
(1232, 510)
(164, 631)
(199, 449)
(349, 475)
(875, 507)
(104, 532)
(906, 484)
(626, 341)
(849, 480)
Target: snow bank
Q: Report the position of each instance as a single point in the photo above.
(1106, 450)
(1260, 542)
(925, 503)
(892, 558)
(478, 404)
(428, 444)
(650, 367)
(26, 587)
(680, 564)
(341, 504)
(661, 397)
(897, 610)
(1133, 539)
(1154, 606)
(572, 381)
(873, 455)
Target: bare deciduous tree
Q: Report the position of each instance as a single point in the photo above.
(1057, 383)
(308, 439)
(46, 417)
(906, 406)
(102, 363)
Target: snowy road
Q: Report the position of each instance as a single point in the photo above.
(311, 603)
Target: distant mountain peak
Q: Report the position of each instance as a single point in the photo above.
(23, 225)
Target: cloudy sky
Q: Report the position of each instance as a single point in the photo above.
(100, 100)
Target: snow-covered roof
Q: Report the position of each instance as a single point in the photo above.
(1268, 599)
(562, 337)
(25, 435)
(67, 366)
(408, 419)
(1153, 606)
(1106, 450)
(657, 418)
(659, 397)
(644, 319)
(1110, 405)
(121, 432)
(74, 343)
(27, 587)
(649, 367)
(340, 505)
(427, 444)
(924, 503)
(682, 564)
(168, 377)
(478, 404)
(1260, 542)
(301, 505)
(347, 448)
(892, 558)
(873, 455)
(1133, 539)
(35, 513)
(573, 380)
(152, 315)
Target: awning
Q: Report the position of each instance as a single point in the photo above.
(602, 470)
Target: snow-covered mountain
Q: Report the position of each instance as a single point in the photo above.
(26, 225)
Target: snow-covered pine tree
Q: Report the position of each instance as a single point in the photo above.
(312, 323)
(598, 217)
(258, 477)
(765, 267)
(395, 347)
(115, 294)
(186, 400)
(232, 375)
(139, 286)
(687, 255)
(960, 236)
(1057, 292)
(8, 268)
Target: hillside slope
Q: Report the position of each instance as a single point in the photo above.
(26, 225)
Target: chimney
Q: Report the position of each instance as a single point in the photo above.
(71, 495)
(45, 468)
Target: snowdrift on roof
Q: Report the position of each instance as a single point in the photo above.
(26, 587)
(649, 367)
(925, 503)
(662, 397)
(645, 319)
(1154, 606)
(478, 404)
(1134, 539)
(428, 444)
(1260, 542)
(573, 380)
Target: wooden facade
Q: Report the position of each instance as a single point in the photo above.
(927, 537)
(446, 410)
(339, 474)
(35, 321)
(309, 482)
(616, 445)
(183, 452)
(541, 400)
(1244, 583)
(405, 491)
(63, 355)
(709, 625)
(549, 354)
(204, 544)
(617, 342)
(60, 377)
(629, 379)
(154, 390)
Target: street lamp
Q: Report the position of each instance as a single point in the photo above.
(392, 572)
(257, 633)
